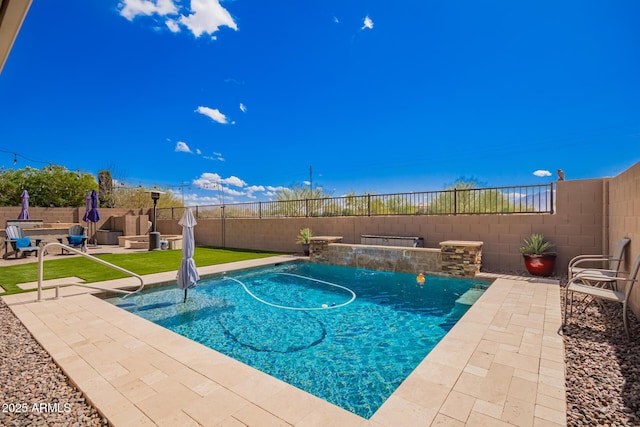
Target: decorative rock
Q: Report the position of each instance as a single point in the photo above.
(30, 376)
(602, 378)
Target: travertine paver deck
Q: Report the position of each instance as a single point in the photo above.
(502, 364)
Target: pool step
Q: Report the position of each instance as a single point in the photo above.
(471, 296)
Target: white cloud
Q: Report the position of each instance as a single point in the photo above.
(195, 199)
(220, 159)
(132, 8)
(367, 24)
(182, 147)
(230, 80)
(212, 180)
(243, 108)
(233, 187)
(198, 152)
(206, 17)
(252, 189)
(203, 16)
(216, 156)
(542, 173)
(214, 114)
(207, 180)
(228, 190)
(235, 181)
(336, 20)
(173, 26)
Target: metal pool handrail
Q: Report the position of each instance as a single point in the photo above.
(91, 257)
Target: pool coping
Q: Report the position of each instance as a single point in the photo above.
(501, 364)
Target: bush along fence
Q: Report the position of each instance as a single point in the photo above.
(473, 201)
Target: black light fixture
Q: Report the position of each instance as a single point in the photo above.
(155, 196)
(154, 236)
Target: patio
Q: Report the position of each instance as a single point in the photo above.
(502, 364)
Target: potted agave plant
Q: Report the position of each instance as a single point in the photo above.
(304, 238)
(538, 258)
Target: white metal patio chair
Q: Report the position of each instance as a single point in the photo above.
(610, 263)
(583, 283)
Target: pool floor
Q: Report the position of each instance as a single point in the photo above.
(502, 363)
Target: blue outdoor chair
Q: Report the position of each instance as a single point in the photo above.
(19, 243)
(77, 238)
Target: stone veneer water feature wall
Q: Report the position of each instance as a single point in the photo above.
(454, 258)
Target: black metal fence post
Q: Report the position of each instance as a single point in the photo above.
(455, 201)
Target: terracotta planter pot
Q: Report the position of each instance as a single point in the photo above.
(540, 265)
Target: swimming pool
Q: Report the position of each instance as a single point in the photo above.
(300, 323)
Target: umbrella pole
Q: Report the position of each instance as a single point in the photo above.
(185, 296)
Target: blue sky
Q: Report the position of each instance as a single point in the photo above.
(376, 96)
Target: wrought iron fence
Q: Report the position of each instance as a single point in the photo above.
(472, 201)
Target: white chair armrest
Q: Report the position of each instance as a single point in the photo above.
(596, 275)
(589, 258)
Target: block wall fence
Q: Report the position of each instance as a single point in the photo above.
(591, 216)
(576, 228)
(624, 219)
(64, 216)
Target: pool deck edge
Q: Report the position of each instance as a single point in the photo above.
(502, 364)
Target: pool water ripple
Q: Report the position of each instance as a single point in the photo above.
(354, 356)
(271, 333)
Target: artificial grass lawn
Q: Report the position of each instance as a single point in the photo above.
(140, 263)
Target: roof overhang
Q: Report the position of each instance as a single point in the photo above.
(12, 13)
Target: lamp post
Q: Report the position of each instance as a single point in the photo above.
(154, 236)
(155, 196)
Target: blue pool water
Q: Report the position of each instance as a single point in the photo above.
(294, 323)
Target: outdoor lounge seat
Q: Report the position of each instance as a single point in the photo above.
(583, 283)
(611, 263)
(77, 238)
(19, 243)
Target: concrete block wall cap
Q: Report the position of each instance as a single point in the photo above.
(467, 243)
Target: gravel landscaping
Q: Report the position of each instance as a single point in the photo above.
(34, 391)
(603, 366)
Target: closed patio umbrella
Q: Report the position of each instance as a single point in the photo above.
(92, 215)
(187, 274)
(24, 212)
(87, 208)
